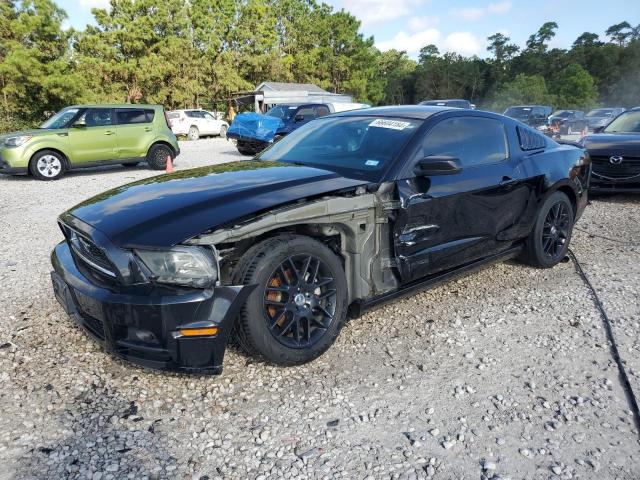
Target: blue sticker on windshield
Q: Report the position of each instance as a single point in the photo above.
(371, 163)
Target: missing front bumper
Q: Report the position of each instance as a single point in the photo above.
(145, 328)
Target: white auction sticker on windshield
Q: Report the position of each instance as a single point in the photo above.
(392, 124)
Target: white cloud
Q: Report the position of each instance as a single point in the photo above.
(370, 12)
(411, 43)
(89, 4)
(500, 7)
(471, 14)
(468, 13)
(464, 43)
(417, 24)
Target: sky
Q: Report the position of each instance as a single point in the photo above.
(460, 26)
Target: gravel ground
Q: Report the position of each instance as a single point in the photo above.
(505, 373)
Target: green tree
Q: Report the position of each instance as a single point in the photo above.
(397, 69)
(574, 88)
(523, 90)
(619, 32)
(36, 72)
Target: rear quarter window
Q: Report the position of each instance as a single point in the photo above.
(530, 139)
(128, 116)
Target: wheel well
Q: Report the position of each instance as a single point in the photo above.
(568, 191)
(64, 157)
(161, 142)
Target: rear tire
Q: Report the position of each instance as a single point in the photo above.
(47, 165)
(157, 156)
(548, 242)
(300, 304)
(194, 133)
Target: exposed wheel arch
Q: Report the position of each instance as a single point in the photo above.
(162, 142)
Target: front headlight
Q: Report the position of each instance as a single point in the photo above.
(17, 141)
(181, 265)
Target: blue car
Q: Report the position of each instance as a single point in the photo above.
(253, 132)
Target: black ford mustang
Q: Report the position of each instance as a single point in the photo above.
(346, 212)
(615, 151)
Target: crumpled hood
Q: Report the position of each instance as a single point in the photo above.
(168, 209)
(613, 144)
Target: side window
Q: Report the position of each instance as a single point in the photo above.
(128, 116)
(97, 117)
(322, 110)
(473, 140)
(306, 113)
(208, 116)
(191, 113)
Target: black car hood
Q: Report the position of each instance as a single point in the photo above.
(168, 209)
(613, 144)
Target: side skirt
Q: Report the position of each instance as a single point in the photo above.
(358, 307)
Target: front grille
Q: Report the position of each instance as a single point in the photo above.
(602, 166)
(88, 252)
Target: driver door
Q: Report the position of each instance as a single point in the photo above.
(93, 137)
(451, 219)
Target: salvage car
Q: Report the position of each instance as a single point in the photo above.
(598, 118)
(84, 136)
(254, 132)
(568, 122)
(533, 115)
(346, 212)
(615, 153)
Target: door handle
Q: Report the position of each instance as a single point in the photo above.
(147, 129)
(109, 132)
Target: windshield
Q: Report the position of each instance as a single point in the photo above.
(281, 111)
(518, 112)
(562, 113)
(62, 119)
(359, 147)
(628, 122)
(600, 112)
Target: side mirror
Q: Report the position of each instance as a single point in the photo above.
(598, 129)
(79, 125)
(437, 165)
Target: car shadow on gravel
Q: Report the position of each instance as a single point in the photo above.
(105, 433)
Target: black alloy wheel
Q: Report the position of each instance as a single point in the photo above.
(556, 230)
(548, 242)
(300, 301)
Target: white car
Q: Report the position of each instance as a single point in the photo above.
(196, 123)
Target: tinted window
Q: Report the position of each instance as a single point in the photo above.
(473, 140)
(173, 115)
(281, 111)
(128, 116)
(193, 114)
(96, 117)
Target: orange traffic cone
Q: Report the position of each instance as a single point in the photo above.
(169, 168)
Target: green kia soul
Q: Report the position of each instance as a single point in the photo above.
(90, 135)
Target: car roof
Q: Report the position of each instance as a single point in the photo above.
(417, 112)
(115, 105)
(528, 106)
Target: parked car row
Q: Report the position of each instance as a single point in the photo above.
(196, 123)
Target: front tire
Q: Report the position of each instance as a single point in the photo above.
(157, 156)
(548, 242)
(300, 304)
(47, 165)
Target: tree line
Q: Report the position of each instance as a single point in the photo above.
(190, 53)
